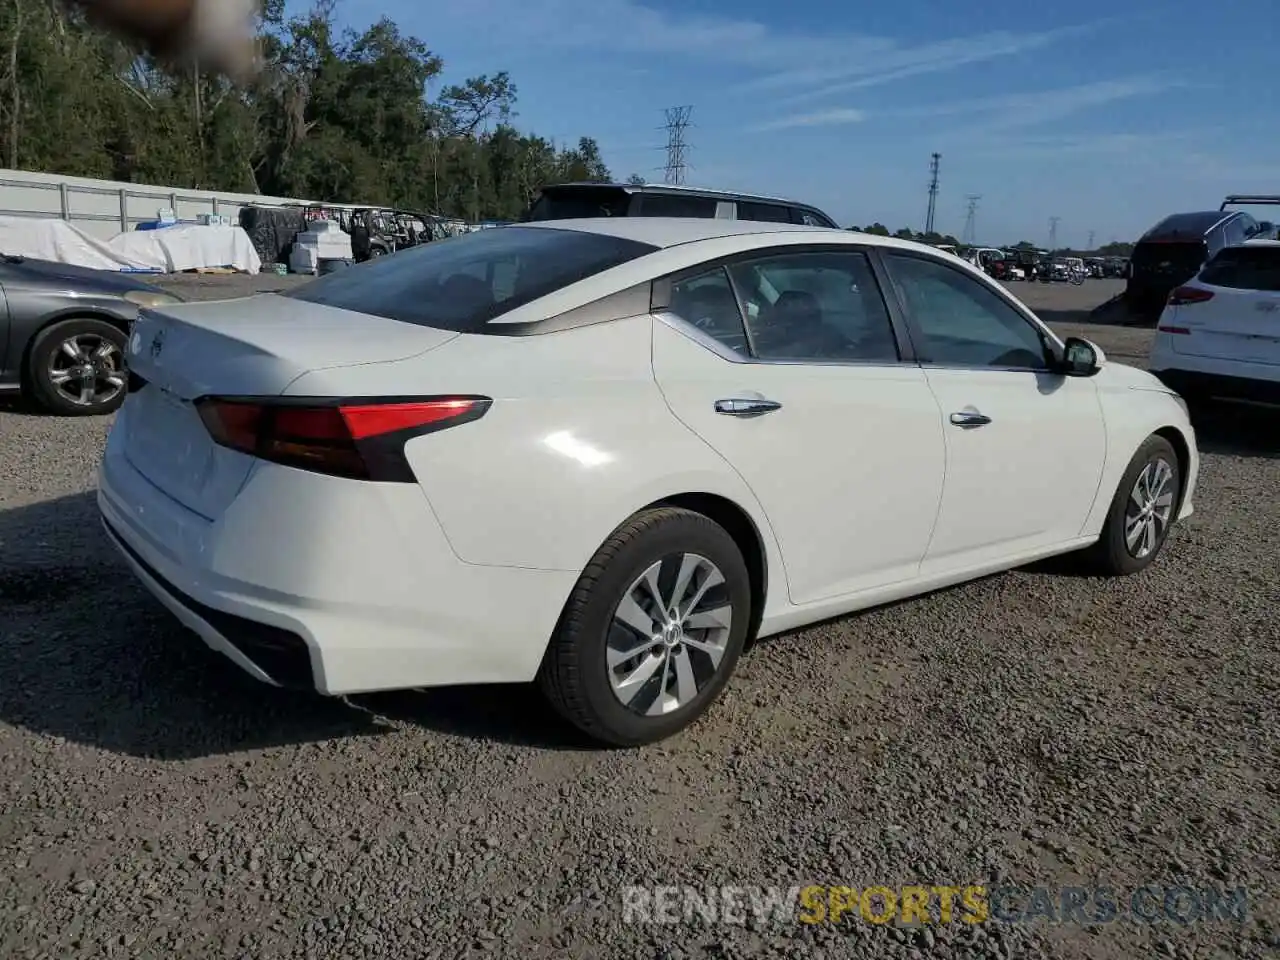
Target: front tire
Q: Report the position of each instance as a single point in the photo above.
(653, 630)
(76, 368)
(1143, 511)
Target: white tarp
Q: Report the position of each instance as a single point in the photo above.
(170, 250)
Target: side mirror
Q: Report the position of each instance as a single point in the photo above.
(1080, 358)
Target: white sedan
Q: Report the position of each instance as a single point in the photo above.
(603, 454)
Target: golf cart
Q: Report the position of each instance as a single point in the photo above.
(378, 231)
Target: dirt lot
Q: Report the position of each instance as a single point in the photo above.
(1036, 728)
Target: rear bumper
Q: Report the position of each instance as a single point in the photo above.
(333, 585)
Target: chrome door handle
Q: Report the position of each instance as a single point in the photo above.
(746, 408)
(969, 419)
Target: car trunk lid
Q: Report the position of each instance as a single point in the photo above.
(235, 348)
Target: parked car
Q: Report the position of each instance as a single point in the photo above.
(604, 454)
(1219, 334)
(1174, 250)
(63, 330)
(566, 201)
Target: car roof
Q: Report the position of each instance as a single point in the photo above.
(1196, 223)
(675, 189)
(672, 231)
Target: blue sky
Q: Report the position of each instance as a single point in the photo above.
(1106, 115)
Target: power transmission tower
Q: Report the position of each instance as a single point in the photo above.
(677, 148)
(970, 220)
(1091, 236)
(933, 191)
(1053, 233)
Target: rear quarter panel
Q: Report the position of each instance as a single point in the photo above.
(577, 440)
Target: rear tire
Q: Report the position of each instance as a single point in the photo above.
(76, 368)
(675, 666)
(1142, 514)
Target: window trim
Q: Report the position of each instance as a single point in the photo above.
(1053, 345)
(660, 304)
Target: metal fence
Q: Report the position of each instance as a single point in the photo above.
(107, 207)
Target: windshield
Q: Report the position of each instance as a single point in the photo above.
(1245, 268)
(461, 283)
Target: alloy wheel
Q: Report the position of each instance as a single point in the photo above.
(1149, 509)
(669, 634)
(87, 369)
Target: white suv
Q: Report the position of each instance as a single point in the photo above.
(1219, 334)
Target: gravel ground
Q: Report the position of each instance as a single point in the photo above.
(1035, 728)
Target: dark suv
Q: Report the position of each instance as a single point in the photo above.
(571, 201)
(1174, 250)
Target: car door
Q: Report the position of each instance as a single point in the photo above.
(788, 365)
(5, 376)
(1025, 445)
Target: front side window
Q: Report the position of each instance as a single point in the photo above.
(961, 321)
(811, 219)
(461, 283)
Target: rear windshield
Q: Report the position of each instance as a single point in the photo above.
(461, 283)
(1244, 268)
(580, 203)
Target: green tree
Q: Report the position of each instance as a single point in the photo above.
(335, 115)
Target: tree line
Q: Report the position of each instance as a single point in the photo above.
(1114, 249)
(335, 115)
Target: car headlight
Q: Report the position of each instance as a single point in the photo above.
(151, 298)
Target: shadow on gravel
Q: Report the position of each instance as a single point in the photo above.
(89, 656)
(1237, 430)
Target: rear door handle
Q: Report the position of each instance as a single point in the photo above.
(746, 408)
(969, 418)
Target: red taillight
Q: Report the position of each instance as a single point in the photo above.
(360, 440)
(1185, 295)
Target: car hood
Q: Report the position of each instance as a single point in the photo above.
(78, 278)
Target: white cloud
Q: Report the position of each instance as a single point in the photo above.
(821, 118)
(780, 60)
(889, 61)
(1041, 106)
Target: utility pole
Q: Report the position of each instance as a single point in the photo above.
(970, 236)
(1091, 247)
(1053, 233)
(934, 161)
(677, 148)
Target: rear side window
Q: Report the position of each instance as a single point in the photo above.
(675, 205)
(580, 203)
(1244, 268)
(462, 283)
(763, 212)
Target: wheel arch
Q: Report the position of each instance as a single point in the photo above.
(1182, 449)
(739, 524)
(61, 316)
